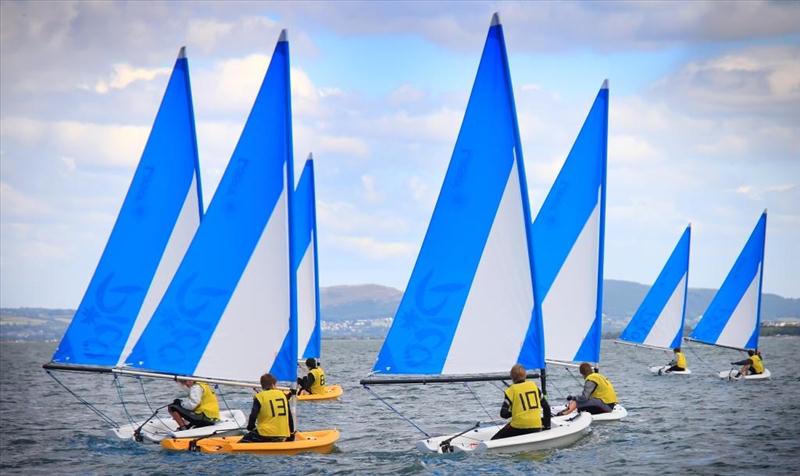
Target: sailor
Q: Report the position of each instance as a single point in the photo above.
(678, 364)
(271, 417)
(314, 382)
(525, 405)
(200, 409)
(752, 365)
(598, 394)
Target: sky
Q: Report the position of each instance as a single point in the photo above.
(704, 122)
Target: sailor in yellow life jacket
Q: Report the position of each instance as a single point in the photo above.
(678, 364)
(271, 417)
(752, 365)
(598, 394)
(200, 409)
(314, 382)
(525, 405)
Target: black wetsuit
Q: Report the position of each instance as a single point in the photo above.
(254, 437)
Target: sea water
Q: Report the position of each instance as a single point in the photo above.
(676, 424)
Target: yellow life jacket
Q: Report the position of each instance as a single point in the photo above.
(526, 407)
(319, 380)
(604, 390)
(208, 405)
(681, 360)
(273, 418)
(757, 364)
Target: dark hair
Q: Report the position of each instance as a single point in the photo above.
(676, 349)
(586, 369)
(267, 381)
(311, 362)
(751, 352)
(518, 373)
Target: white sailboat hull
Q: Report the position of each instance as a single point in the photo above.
(733, 374)
(618, 413)
(662, 370)
(563, 432)
(158, 429)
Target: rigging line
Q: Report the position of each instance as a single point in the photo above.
(569, 371)
(705, 364)
(147, 401)
(491, 419)
(122, 399)
(222, 395)
(144, 394)
(389, 405)
(108, 420)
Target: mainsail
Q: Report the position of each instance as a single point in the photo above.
(304, 229)
(158, 219)
(733, 319)
(468, 306)
(659, 320)
(228, 313)
(568, 245)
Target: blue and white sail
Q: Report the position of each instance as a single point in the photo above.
(660, 318)
(468, 306)
(228, 313)
(304, 229)
(158, 219)
(733, 319)
(568, 245)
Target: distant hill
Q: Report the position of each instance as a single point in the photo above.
(342, 306)
(622, 298)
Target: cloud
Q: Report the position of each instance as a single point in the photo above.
(346, 218)
(555, 27)
(125, 74)
(764, 80)
(372, 248)
(18, 206)
(89, 144)
(371, 193)
(761, 193)
(205, 33)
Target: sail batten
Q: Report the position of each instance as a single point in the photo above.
(160, 214)
(474, 268)
(568, 241)
(659, 320)
(733, 319)
(228, 312)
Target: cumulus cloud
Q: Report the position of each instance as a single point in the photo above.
(125, 74)
(765, 80)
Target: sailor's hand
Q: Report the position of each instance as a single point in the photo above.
(177, 402)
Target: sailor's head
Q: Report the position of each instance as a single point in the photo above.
(751, 352)
(518, 373)
(586, 369)
(311, 363)
(268, 381)
(676, 349)
(187, 383)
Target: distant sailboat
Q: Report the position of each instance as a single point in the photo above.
(658, 323)
(568, 245)
(568, 242)
(467, 313)
(733, 319)
(304, 232)
(305, 266)
(158, 219)
(230, 313)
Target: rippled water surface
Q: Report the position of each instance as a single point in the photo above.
(695, 424)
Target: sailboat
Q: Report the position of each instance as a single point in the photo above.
(569, 234)
(658, 323)
(733, 319)
(304, 229)
(467, 313)
(230, 313)
(160, 214)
